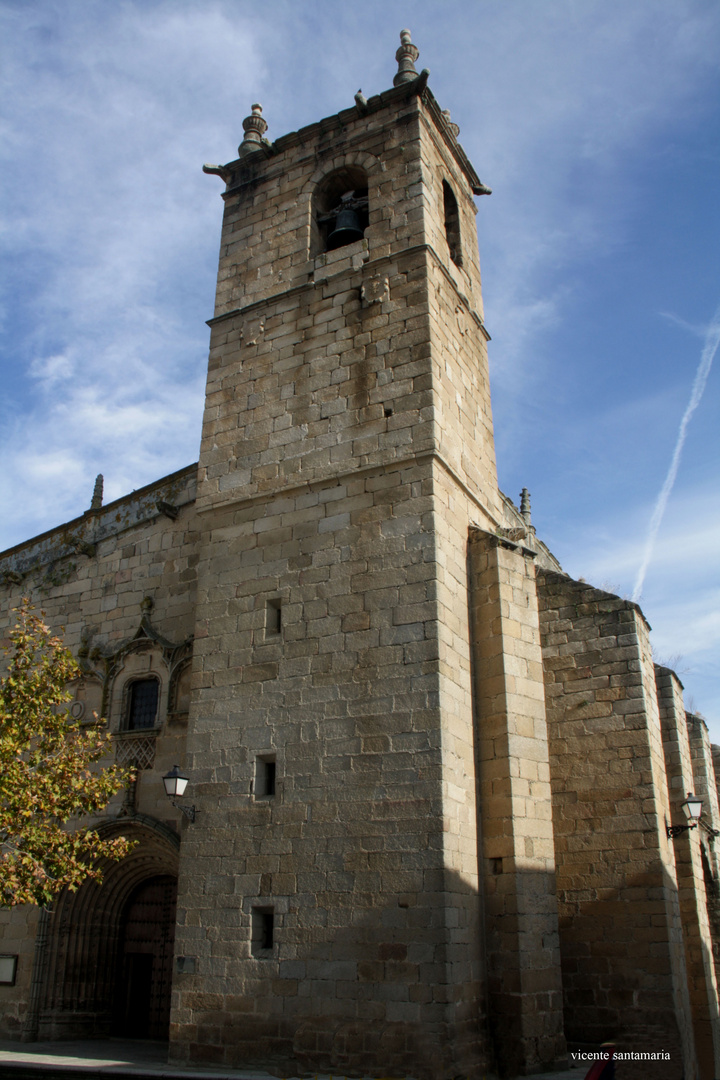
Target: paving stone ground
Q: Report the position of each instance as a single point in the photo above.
(131, 1058)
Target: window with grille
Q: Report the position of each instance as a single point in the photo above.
(143, 704)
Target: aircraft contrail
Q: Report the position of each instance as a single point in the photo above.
(712, 340)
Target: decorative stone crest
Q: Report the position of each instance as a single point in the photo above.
(12, 577)
(375, 290)
(84, 547)
(252, 330)
(254, 127)
(516, 536)
(406, 56)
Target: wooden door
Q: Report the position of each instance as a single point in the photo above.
(146, 956)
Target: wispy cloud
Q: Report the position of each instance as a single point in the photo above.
(683, 603)
(110, 231)
(712, 340)
(110, 240)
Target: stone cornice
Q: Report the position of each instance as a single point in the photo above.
(394, 463)
(243, 171)
(372, 264)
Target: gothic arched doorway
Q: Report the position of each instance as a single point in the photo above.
(82, 982)
(145, 962)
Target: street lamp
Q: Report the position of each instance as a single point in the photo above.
(175, 783)
(692, 808)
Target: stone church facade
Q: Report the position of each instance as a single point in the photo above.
(433, 776)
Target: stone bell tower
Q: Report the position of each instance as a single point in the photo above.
(332, 889)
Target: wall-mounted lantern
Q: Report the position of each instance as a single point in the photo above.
(175, 783)
(692, 808)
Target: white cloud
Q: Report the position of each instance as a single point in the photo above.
(111, 232)
(52, 369)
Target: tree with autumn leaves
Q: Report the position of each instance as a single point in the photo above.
(50, 773)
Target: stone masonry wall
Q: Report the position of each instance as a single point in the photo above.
(624, 975)
(326, 365)
(318, 495)
(332, 385)
(704, 773)
(705, 786)
(467, 985)
(521, 917)
(462, 411)
(132, 551)
(702, 982)
(349, 851)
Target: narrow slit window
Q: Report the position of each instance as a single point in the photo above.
(452, 223)
(273, 618)
(143, 704)
(263, 931)
(265, 773)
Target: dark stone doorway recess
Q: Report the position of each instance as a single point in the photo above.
(104, 954)
(145, 961)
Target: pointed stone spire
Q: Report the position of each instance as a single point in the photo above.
(525, 507)
(97, 496)
(254, 127)
(406, 56)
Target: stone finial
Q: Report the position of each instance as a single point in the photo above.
(97, 495)
(525, 506)
(254, 127)
(453, 128)
(406, 56)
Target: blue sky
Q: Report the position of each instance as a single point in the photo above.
(596, 124)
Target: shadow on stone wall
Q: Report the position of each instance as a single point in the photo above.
(404, 995)
(612, 994)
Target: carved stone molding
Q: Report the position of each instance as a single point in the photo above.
(135, 750)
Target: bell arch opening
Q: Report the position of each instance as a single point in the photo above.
(340, 209)
(452, 223)
(85, 977)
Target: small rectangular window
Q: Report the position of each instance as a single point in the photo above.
(273, 617)
(263, 931)
(8, 969)
(265, 776)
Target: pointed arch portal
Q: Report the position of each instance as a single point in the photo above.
(103, 965)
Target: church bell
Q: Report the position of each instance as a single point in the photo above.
(347, 230)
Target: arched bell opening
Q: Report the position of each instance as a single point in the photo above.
(340, 209)
(452, 223)
(80, 972)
